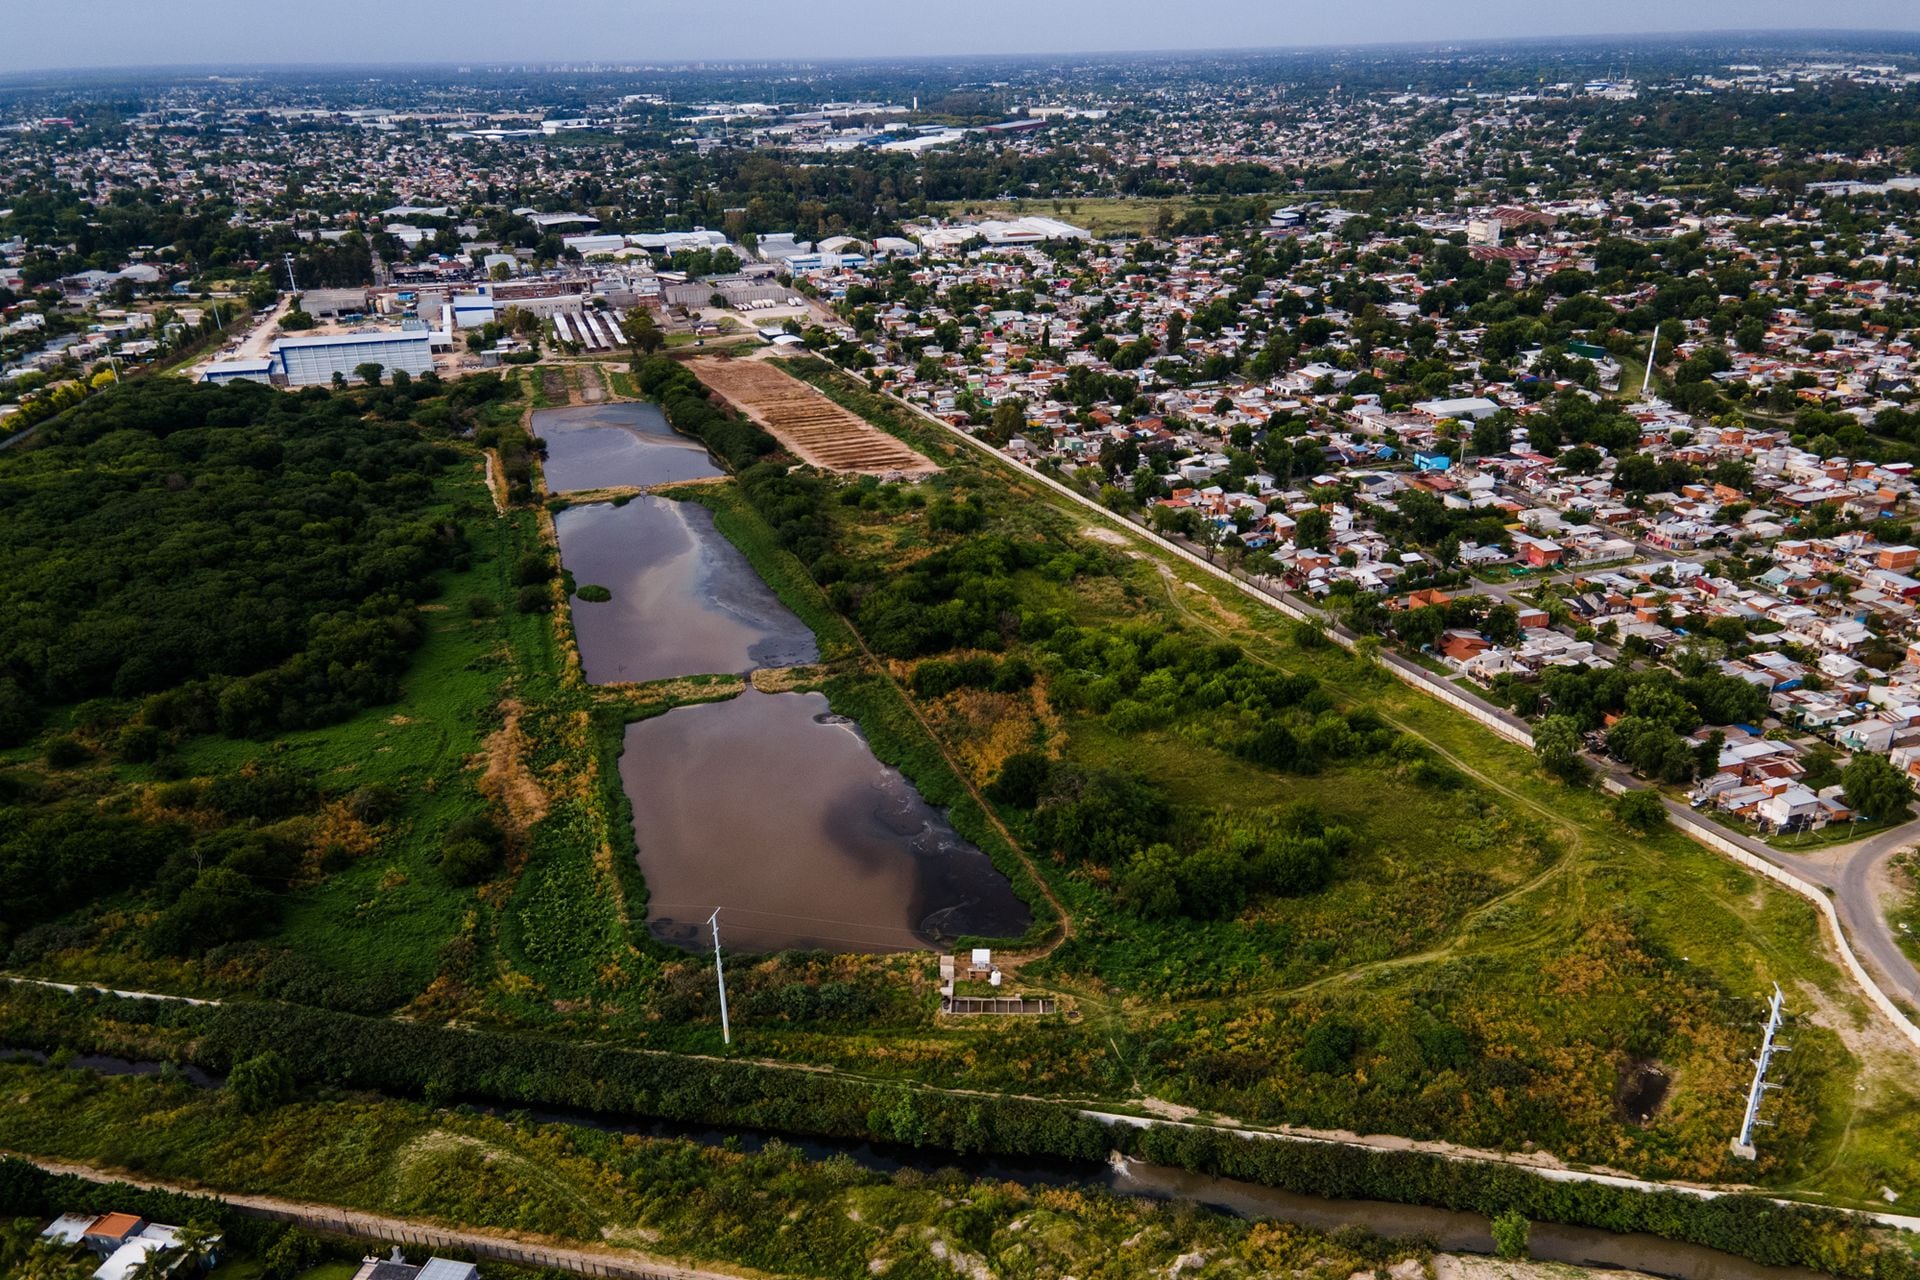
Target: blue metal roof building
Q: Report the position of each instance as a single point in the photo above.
(312, 361)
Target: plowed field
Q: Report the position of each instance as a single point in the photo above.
(806, 421)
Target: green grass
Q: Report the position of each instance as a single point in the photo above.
(1103, 216)
(1827, 837)
(1904, 915)
(773, 1211)
(1481, 897)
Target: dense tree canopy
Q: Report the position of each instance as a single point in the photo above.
(244, 559)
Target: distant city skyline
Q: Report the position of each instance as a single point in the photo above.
(142, 33)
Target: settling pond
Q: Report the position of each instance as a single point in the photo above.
(775, 808)
(599, 446)
(685, 601)
(766, 806)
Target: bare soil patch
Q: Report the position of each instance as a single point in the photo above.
(806, 421)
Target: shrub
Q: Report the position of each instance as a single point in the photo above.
(593, 593)
(1021, 778)
(468, 861)
(261, 1083)
(1510, 1231)
(1641, 810)
(67, 752)
(531, 569)
(138, 743)
(533, 600)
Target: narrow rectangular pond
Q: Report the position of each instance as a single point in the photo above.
(603, 445)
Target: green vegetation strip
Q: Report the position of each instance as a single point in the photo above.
(412, 1060)
(773, 1209)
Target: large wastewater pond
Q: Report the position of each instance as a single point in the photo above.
(607, 445)
(685, 601)
(765, 806)
(774, 809)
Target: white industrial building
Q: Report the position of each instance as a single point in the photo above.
(1000, 233)
(223, 371)
(674, 241)
(306, 362)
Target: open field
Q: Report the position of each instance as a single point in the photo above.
(1103, 216)
(815, 428)
(1511, 881)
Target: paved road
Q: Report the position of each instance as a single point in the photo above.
(1856, 895)
(251, 345)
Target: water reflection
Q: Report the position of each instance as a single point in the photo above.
(685, 601)
(594, 446)
(775, 810)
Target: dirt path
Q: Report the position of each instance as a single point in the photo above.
(496, 481)
(520, 1248)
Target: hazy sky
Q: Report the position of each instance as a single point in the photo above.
(38, 34)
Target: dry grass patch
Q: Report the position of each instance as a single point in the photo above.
(508, 779)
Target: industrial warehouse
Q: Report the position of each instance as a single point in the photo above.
(315, 361)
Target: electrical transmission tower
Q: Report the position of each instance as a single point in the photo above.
(1743, 1145)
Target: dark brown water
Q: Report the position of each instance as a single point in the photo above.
(1454, 1231)
(774, 810)
(594, 446)
(685, 601)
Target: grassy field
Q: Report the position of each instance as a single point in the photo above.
(773, 1210)
(1102, 216)
(1481, 891)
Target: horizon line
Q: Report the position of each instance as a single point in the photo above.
(695, 63)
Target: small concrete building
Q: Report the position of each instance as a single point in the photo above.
(327, 304)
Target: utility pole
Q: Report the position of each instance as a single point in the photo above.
(1653, 349)
(720, 974)
(1743, 1145)
(294, 287)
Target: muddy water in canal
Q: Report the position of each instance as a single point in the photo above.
(776, 811)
